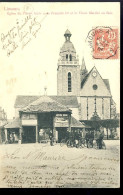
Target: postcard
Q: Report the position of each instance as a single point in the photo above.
(60, 95)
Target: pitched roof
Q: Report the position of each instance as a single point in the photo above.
(76, 123)
(22, 100)
(70, 101)
(84, 80)
(112, 102)
(45, 104)
(13, 124)
(106, 81)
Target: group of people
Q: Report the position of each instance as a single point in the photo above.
(76, 136)
(12, 137)
(89, 137)
(99, 135)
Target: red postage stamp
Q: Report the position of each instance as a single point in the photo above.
(105, 43)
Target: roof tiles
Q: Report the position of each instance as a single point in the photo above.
(45, 104)
(70, 101)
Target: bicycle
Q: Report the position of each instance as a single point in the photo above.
(82, 143)
(70, 143)
(96, 145)
(63, 142)
(90, 143)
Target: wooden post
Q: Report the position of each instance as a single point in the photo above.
(20, 129)
(53, 125)
(37, 130)
(107, 133)
(6, 136)
(20, 135)
(36, 133)
(69, 119)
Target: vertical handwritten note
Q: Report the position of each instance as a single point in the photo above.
(20, 34)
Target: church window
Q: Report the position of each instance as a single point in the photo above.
(66, 56)
(69, 82)
(95, 87)
(70, 57)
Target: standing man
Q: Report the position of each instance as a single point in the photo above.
(101, 136)
(51, 137)
(91, 138)
(87, 137)
(98, 137)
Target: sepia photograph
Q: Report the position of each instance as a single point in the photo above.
(60, 95)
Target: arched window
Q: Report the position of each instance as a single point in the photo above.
(70, 57)
(69, 82)
(66, 56)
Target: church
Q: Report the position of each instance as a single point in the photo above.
(82, 98)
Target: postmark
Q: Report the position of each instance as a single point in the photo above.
(104, 42)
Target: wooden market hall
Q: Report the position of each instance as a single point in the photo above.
(43, 116)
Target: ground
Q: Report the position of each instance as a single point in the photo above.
(45, 166)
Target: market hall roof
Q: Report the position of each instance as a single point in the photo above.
(70, 101)
(13, 124)
(76, 123)
(45, 104)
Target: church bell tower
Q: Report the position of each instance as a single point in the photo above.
(68, 71)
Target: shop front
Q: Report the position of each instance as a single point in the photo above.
(11, 131)
(62, 125)
(44, 118)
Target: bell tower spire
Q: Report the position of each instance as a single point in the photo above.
(83, 67)
(67, 35)
(68, 71)
(83, 70)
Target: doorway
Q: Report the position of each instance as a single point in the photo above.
(29, 134)
(62, 132)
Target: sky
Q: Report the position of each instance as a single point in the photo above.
(32, 66)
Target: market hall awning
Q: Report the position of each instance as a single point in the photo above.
(106, 123)
(77, 124)
(15, 124)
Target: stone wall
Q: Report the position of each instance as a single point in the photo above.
(102, 107)
(62, 80)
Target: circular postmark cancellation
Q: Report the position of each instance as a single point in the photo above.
(104, 42)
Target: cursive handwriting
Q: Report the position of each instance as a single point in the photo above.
(21, 34)
(41, 167)
(59, 176)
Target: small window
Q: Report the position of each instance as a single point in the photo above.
(95, 87)
(70, 57)
(66, 56)
(32, 116)
(69, 82)
(25, 116)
